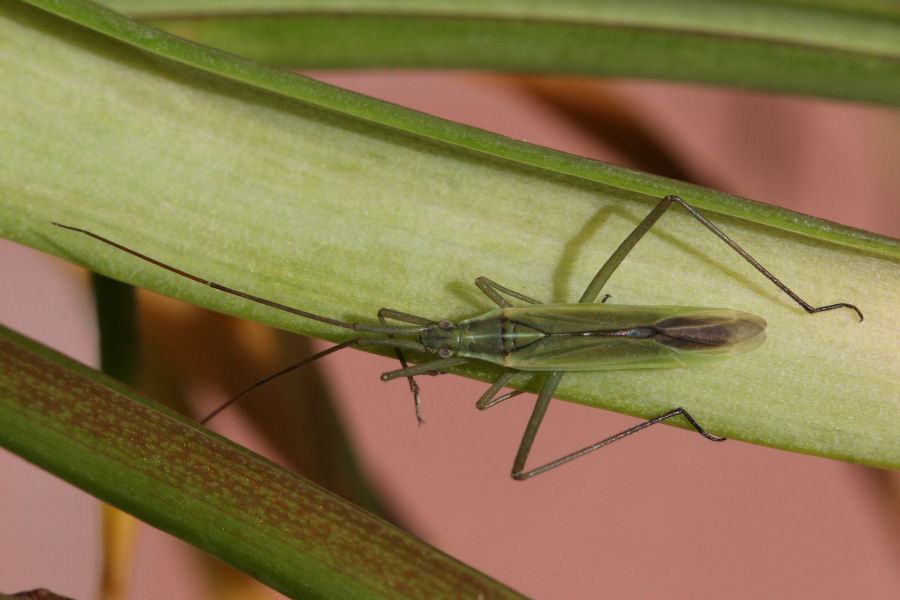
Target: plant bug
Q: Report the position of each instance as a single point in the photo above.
(554, 338)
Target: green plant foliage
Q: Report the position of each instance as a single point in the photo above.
(319, 198)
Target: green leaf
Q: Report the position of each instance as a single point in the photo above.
(312, 196)
(831, 48)
(169, 472)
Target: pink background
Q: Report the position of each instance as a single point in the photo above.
(666, 514)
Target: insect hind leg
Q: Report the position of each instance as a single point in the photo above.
(644, 226)
(520, 474)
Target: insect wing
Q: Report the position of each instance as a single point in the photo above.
(595, 337)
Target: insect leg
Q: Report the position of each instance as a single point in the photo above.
(534, 422)
(590, 295)
(389, 313)
(438, 365)
(613, 262)
(519, 474)
(488, 398)
(383, 315)
(396, 315)
(743, 253)
(492, 290)
(434, 367)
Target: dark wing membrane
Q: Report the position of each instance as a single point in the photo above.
(722, 332)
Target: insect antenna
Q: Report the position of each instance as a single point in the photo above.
(284, 371)
(214, 285)
(418, 324)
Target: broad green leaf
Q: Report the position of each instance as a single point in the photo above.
(338, 204)
(169, 472)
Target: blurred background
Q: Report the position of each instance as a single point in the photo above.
(665, 514)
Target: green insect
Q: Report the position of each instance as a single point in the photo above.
(554, 338)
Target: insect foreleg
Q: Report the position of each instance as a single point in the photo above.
(433, 366)
(428, 368)
(383, 315)
(519, 474)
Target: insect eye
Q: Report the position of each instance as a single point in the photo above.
(444, 353)
(444, 324)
